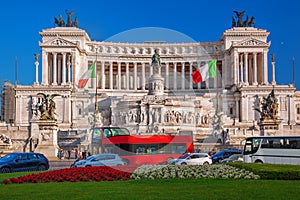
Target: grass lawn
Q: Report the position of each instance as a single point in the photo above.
(156, 189)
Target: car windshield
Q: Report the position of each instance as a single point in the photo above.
(184, 156)
(9, 157)
(233, 157)
(90, 158)
(219, 153)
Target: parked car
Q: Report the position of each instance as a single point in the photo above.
(219, 156)
(106, 159)
(16, 162)
(233, 158)
(193, 159)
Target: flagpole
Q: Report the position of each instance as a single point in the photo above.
(96, 93)
(217, 82)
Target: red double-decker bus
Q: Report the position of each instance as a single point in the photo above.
(140, 149)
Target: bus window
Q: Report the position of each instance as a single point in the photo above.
(96, 134)
(106, 133)
(256, 143)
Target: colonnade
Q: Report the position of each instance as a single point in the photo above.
(251, 68)
(134, 75)
(57, 69)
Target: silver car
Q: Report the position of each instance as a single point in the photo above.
(193, 159)
(106, 159)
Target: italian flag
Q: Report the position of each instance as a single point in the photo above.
(90, 73)
(205, 72)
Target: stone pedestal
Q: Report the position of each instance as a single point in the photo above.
(269, 127)
(47, 138)
(156, 85)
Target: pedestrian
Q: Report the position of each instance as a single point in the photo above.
(84, 154)
(76, 154)
(58, 154)
(69, 153)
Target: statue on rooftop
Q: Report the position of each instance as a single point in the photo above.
(69, 22)
(240, 23)
(61, 23)
(239, 15)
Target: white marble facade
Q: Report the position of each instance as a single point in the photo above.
(123, 71)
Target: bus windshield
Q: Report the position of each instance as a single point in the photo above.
(251, 145)
(108, 132)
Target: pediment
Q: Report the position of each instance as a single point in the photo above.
(58, 42)
(251, 42)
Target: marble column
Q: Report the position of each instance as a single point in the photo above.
(254, 68)
(45, 68)
(111, 76)
(119, 75)
(175, 76)
(36, 69)
(191, 78)
(237, 109)
(167, 76)
(236, 67)
(241, 69)
(103, 74)
(265, 67)
(127, 75)
(246, 67)
(64, 69)
(134, 75)
(199, 65)
(69, 67)
(54, 71)
(182, 75)
(143, 76)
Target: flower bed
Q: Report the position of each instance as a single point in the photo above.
(195, 171)
(102, 173)
(105, 173)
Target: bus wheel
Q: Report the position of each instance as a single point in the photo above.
(258, 162)
(183, 163)
(126, 161)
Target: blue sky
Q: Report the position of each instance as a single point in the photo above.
(202, 20)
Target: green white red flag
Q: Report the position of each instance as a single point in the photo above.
(205, 72)
(90, 73)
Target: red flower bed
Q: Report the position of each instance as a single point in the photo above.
(102, 173)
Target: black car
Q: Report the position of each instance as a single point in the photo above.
(219, 156)
(17, 162)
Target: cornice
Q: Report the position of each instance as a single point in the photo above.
(244, 31)
(65, 32)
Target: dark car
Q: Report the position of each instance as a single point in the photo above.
(16, 162)
(225, 153)
(233, 158)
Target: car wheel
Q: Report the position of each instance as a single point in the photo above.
(5, 170)
(41, 168)
(183, 163)
(205, 163)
